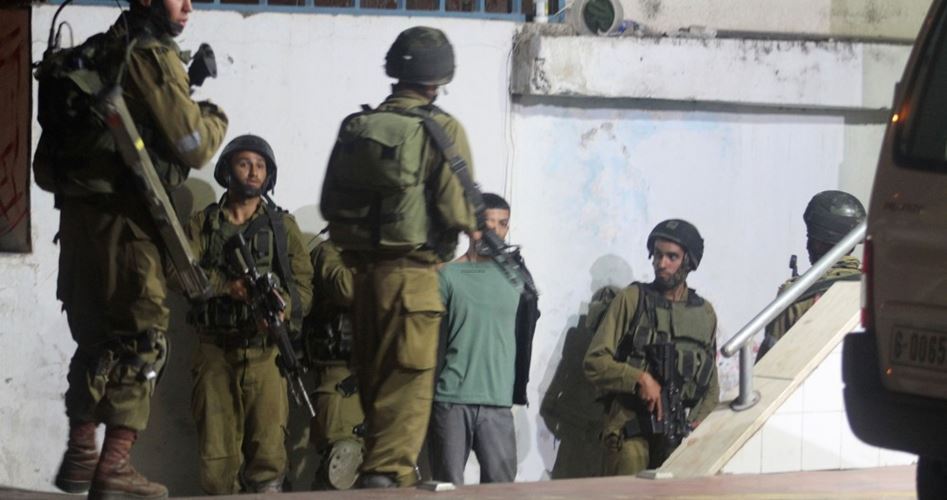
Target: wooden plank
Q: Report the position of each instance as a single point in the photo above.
(708, 449)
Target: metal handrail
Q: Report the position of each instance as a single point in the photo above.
(740, 342)
(792, 292)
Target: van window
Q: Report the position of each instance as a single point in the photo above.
(922, 143)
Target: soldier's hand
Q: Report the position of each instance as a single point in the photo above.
(237, 289)
(649, 390)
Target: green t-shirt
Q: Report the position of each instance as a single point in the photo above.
(480, 357)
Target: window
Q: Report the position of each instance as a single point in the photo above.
(922, 138)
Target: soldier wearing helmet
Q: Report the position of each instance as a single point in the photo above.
(111, 280)
(239, 399)
(643, 315)
(829, 217)
(395, 208)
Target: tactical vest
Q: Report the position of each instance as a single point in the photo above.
(266, 239)
(76, 155)
(379, 194)
(689, 325)
(327, 334)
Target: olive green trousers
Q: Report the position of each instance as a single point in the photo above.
(240, 405)
(113, 289)
(396, 315)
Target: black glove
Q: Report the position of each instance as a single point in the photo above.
(203, 64)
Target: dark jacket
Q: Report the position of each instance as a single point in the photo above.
(527, 314)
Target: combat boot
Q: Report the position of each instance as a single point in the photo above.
(115, 478)
(372, 480)
(79, 460)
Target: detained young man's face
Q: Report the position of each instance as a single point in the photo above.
(498, 219)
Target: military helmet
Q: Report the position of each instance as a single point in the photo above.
(830, 215)
(248, 142)
(684, 234)
(421, 55)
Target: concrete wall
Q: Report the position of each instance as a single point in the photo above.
(858, 18)
(616, 134)
(587, 176)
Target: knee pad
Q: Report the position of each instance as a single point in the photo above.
(340, 466)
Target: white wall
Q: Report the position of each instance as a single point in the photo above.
(594, 182)
(587, 178)
(810, 432)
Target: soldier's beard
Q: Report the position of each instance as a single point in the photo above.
(665, 284)
(245, 191)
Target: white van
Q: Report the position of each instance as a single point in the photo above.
(896, 371)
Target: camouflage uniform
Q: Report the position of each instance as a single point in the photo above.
(847, 268)
(339, 412)
(239, 398)
(111, 275)
(397, 311)
(627, 453)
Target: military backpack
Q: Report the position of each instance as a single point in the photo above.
(378, 200)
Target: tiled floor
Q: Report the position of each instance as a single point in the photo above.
(880, 483)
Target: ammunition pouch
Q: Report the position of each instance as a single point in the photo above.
(139, 358)
(222, 314)
(348, 386)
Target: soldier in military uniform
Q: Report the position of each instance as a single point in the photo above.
(665, 310)
(336, 431)
(829, 217)
(111, 280)
(239, 398)
(395, 207)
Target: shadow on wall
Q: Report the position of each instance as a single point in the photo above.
(569, 408)
(167, 450)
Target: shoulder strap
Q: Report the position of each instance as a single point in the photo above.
(458, 164)
(626, 343)
(275, 217)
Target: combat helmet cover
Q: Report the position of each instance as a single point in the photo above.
(684, 234)
(830, 215)
(247, 142)
(421, 55)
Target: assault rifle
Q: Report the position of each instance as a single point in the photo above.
(793, 266)
(114, 112)
(665, 434)
(267, 304)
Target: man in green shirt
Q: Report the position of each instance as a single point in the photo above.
(474, 389)
(239, 398)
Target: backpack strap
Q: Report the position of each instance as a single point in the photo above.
(274, 215)
(458, 164)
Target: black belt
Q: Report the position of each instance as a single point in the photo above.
(230, 342)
